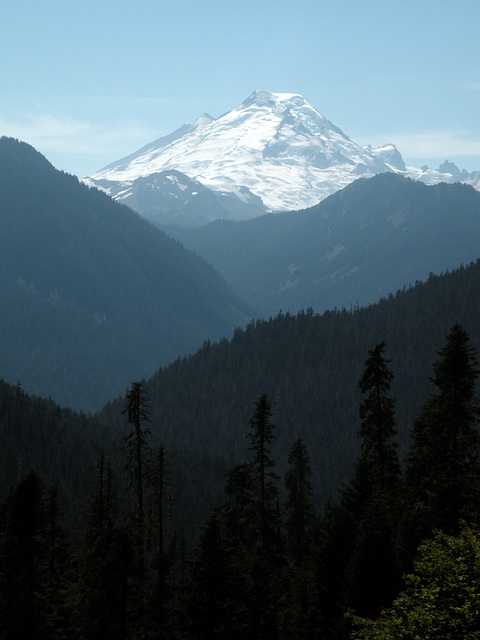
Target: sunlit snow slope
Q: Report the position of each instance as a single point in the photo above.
(274, 146)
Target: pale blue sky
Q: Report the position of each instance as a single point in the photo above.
(89, 82)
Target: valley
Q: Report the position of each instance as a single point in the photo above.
(153, 379)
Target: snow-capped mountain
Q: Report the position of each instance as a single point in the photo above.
(273, 152)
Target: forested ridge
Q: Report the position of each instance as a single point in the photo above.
(93, 295)
(59, 443)
(268, 561)
(277, 484)
(308, 364)
(367, 240)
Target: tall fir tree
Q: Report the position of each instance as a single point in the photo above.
(247, 529)
(137, 453)
(373, 573)
(377, 421)
(105, 562)
(300, 616)
(366, 569)
(215, 606)
(32, 563)
(267, 557)
(160, 503)
(263, 470)
(299, 504)
(442, 471)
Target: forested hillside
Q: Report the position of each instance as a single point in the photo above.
(267, 563)
(60, 444)
(365, 241)
(309, 366)
(258, 488)
(92, 295)
(264, 486)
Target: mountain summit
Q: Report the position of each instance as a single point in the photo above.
(273, 152)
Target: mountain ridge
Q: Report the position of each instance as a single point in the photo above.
(273, 152)
(93, 294)
(365, 241)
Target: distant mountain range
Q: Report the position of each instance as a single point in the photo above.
(274, 152)
(92, 295)
(364, 242)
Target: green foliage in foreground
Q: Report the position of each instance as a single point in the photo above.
(441, 598)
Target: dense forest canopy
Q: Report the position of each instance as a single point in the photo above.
(277, 484)
(266, 563)
(309, 365)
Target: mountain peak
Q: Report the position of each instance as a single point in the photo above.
(267, 98)
(203, 121)
(274, 149)
(449, 167)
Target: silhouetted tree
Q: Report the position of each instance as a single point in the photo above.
(265, 477)
(105, 562)
(215, 604)
(299, 505)
(377, 421)
(358, 556)
(442, 471)
(299, 604)
(137, 453)
(160, 503)
(31, 598)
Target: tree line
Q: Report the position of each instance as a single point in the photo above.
(268, 563)
(308, 364)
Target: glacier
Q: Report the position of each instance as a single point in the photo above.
(273, 152)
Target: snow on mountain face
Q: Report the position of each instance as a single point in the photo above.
(274, 146)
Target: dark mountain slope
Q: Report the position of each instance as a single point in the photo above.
(310, 365)
(60, 444)
(366, 241)
(92, 295)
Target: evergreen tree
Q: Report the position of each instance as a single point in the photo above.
(267, 557)
(137, 457)
(236, 524)
(299, 507)
(105, 563)
(336, 536)
(442, 471)
(358, 555)
(373, 572)
(60, 566)
(160, 513)
(300, 615)
(238, 511)
(137, 454)
(31, 598)
(377, 420)
(247, 532)
(263, 464)
(216, 594)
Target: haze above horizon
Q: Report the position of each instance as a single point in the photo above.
(87, 83)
